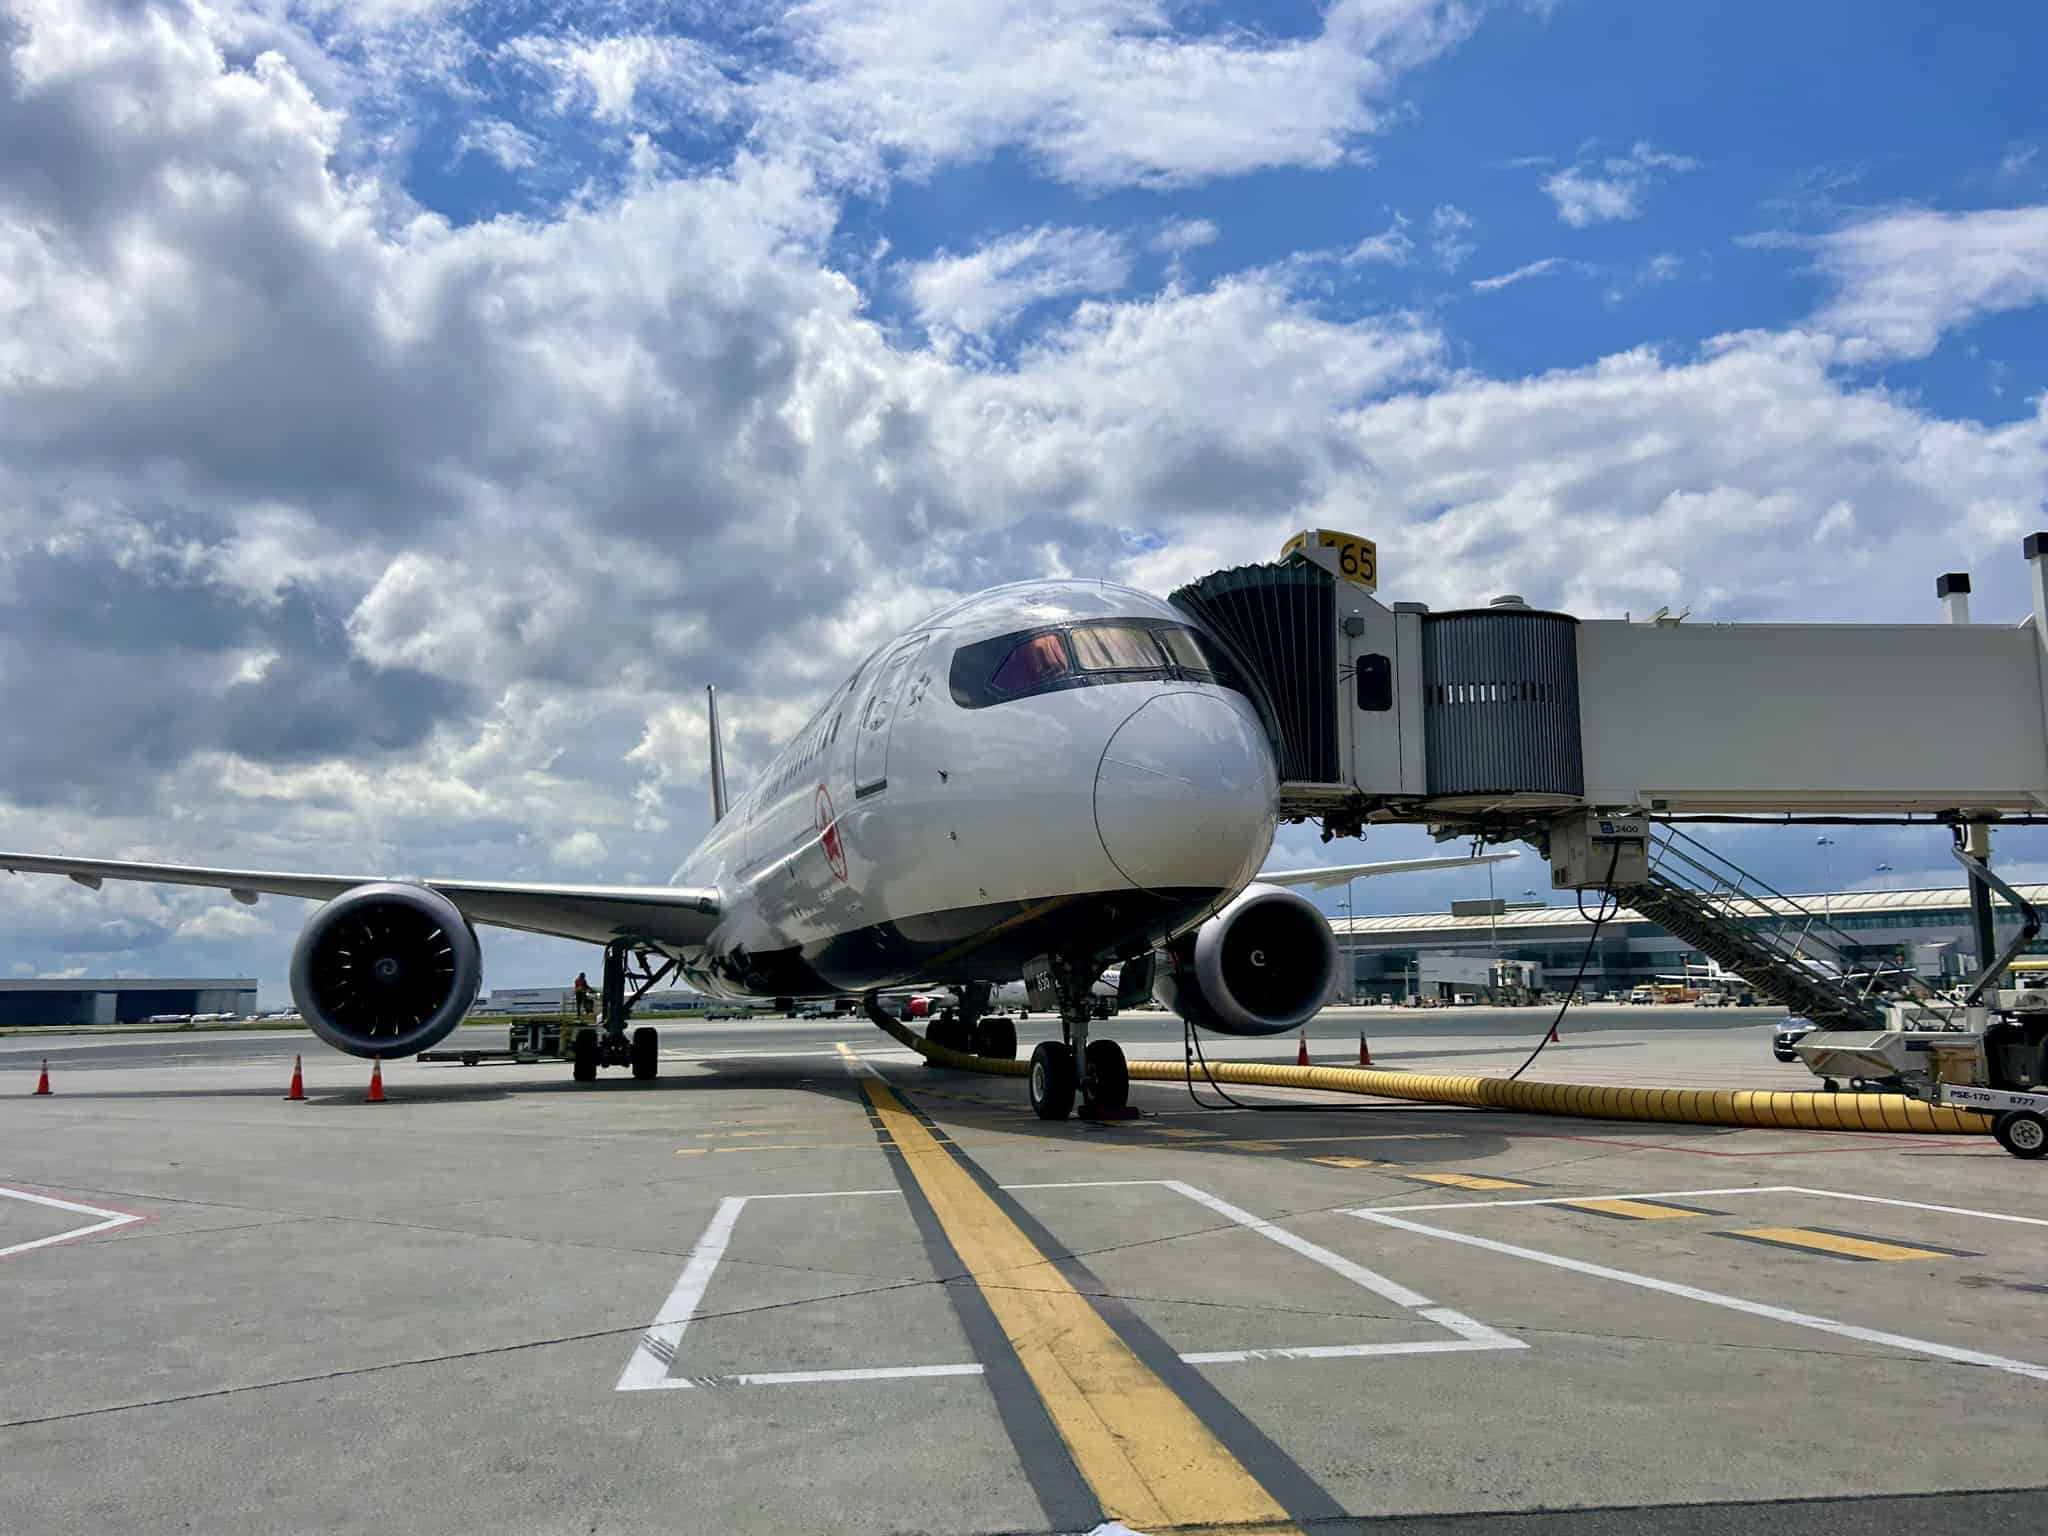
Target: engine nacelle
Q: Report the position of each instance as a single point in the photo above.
(385, 969)
(1262, 966)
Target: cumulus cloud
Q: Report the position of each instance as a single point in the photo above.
(1100, 92)
(1391, 245)
(1184, 235)
(1604, 189)
(987, 288)
(1903, 279)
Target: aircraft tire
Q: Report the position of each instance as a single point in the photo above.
(1052, 1080)
(583, 1055)
(1109, 1076)
(997, 1037)
(646, 1053)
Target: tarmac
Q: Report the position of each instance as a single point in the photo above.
(805, 1283)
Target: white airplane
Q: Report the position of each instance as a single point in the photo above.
(1041, 780)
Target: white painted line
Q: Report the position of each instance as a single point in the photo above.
(1357, 1274)
(799, 1378)
(1717, 1299)
(1091, 1184)
(111, 1220)
(1349, 1351)
(648, 1369)
(824, 1194)
(1917, 1205)
(1658, 1194)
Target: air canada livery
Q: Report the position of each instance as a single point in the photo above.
(1043, 780)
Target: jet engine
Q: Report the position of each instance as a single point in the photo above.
(1263, 965)
(385, 969)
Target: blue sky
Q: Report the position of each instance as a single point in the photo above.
(405, 407)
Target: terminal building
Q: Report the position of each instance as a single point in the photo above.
(1439, 955)
(122, 1000)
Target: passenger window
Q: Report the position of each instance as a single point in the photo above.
(1032, 662)
(1116, 648)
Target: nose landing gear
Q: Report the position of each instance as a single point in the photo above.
(1060, 1068)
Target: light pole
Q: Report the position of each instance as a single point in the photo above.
(1885, 869)
(1827, 896)
(1350, 949)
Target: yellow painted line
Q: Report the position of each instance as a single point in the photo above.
(1467, 1181)
(1834, 1242)
(1150, 1460)
(1349, 1162)
(1177, 1131)
(1641, 1210)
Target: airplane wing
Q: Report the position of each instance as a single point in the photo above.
(1336, 874)
(597, 914)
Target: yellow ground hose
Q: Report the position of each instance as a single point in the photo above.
(1759, 1109)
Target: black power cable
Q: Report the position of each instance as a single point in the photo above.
(1600, 915)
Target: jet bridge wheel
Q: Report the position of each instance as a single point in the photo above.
(646, 1052)
(1052, 1080)
(2022, 1133)
(583, 1055)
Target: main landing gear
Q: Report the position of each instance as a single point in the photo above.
(971, 1029)
(609, 1045)
(1102, 1080)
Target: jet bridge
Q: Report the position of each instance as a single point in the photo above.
(1502, 717)
(1589, 737)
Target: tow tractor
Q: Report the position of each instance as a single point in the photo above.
(1976, 1057)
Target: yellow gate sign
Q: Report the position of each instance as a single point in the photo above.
(1343, 554)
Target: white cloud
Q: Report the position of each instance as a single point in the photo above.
(580, 850)
(513, 148)
(1101, 92)
(987, 288)
(1448, 227)
(2018, 160)
(1905, 278)
(1184, 235)
(631, 77)
(1543, 268)
(222, 925)
(1613, 187)
(1391, 245)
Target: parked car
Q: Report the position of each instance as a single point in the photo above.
(1791, 1030)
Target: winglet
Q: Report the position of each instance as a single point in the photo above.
(717, 757)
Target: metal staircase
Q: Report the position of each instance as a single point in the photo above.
(1788, 953)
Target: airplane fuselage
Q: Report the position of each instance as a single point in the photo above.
(1053, 767)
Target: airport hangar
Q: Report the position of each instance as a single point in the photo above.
(1441, 954)
(122, 1000)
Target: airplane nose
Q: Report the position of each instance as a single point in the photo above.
(1185, 795)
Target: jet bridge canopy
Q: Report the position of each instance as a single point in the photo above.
(1506, 715)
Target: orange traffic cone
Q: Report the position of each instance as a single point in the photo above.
(1364, 1052)
(1301, 1055)
(1553, 1033)
(297, 1091)
(376, 1093)
(43, 1082)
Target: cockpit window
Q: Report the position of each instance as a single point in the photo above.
(1116, 648)
(1039, 659)
(1027, 662)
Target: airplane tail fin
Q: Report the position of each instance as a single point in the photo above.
(718, 801)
